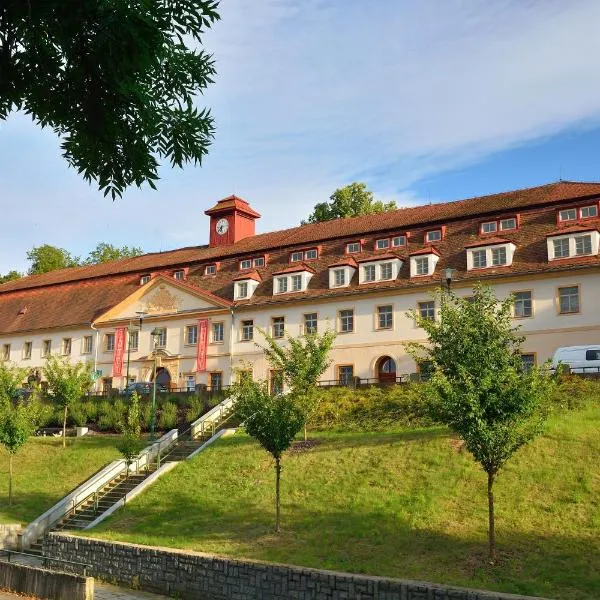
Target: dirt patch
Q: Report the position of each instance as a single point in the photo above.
(303, 446)
(457, 445)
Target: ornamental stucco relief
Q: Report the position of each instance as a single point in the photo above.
(162, 301)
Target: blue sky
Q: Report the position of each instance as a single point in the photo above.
(424, 101)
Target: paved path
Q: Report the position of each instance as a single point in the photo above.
(102, 592)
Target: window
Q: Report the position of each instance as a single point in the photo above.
(427, 310)
(296, 283)
(587, 212)
(561, 247)
(190, 383)
(245, 264)
(506, 224)
(592, 355)
(88, 344)
(247, 330)
(570, 214)
(179, 275)
(583, 245)
(65, 347)
(243, 289)
(6, 352)
(385, 317)
(216, 381)
(528, 361)
(47, 346)
(499, 256)
(161, 337)
(385, 270)
(282, 285)
(259, 262)
(568, 300)
(489, 227)
(310, 323)
(144, 279)
(218, 330)
(210, 270)
(382, 244)
(369, 272)
(278, 326)
(353, 248)
(191, 335)
(347, 321)
(27, 350)
(311, 254)
(134, 339)
(276, 382)
(399, 240)
(422, 265)
(345, 374)
(523, 306)
(433, 236)
(479, 259)
(339, 276)
(296, 256)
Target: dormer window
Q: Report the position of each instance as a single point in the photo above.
(311, 254)
(399, 240)
(353, 248)
(144, 279)
(570, 214)
(385, 271)
(577, 243)
(435, 235)
(495, 252)
(282, 285)
(423, 262)
(507, 224)
(299, 255)
(339, 277)
(589, 212)
(245, 285)
(210, 270)
(379, 268)
(245, 264)
(179, 275)
(489, 227)
(422, 265)
(259, 261)
(296, 283)
(292, 279)
(369, 273)
(579, 212)
(296, 256)
(382, 244)
(242, 291)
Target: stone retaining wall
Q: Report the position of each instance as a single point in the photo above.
(201, 576)
(41, 583)
(9, 535)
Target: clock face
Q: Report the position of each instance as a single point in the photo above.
(222, 226)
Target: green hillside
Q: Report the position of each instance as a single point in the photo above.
(409, 504)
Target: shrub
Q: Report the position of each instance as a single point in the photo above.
(168, 416)
(574, 392)
(110, 414)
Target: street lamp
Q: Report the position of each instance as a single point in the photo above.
(155, 333)
(448, 277)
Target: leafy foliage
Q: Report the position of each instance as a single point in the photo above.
(167, 418)
(105, 252)
(10, 276)
(353, 200)
(67, 382)
(479, 386)
(273, 420)
(115, 80)
(11, 379)
(130, 443)
(48, 258)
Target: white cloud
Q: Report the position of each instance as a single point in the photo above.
(311, 95)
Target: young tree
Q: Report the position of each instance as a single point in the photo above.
(115, 80)
(48, 258)
(17, 423)
(353, 200)
(105, 252)
(273, 420)
(479, 386)
(67, 383)
(130, 443)
(301, 362)
(11, 380)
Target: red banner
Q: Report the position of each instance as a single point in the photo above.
(202, 344)
(119, 352)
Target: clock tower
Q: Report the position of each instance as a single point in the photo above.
(231, 220)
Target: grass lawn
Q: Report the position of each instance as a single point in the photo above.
(406, 504)
(44, 471)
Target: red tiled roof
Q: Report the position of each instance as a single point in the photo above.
(490, 241)
(572, 229)
(426, 250)
(374, 257)
(248, 275)
(345, 262)
(299, 268)
(401, 219)
(232, 202)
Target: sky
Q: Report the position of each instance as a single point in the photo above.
(424, 101)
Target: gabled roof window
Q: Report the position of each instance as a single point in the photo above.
(489, 253)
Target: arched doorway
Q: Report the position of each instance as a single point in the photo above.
(163, 377)
(386, 370)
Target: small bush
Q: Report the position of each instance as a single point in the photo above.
(168, 416)
(110, 414)
(574, 392)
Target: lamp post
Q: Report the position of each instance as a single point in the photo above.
(448, 277)
(155, 333)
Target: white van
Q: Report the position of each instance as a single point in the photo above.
(580, 359)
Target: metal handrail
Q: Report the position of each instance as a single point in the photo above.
(45, 559)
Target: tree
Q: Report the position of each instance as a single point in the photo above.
(353, 200)
(301, 362)
(48, 258)
(67, 383)
(105, 252)
(273, 420)
(17, 423)
(115, 80)
(130, 443)
(479, 386)
(10, 276)
(11, 380)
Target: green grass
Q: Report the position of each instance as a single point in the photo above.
(405, 504)
(44, 471)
